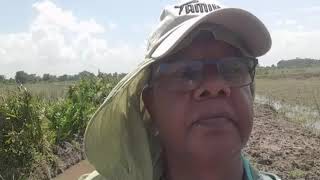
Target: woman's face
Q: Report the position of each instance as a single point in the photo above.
(211, 121)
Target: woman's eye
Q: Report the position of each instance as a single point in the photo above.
(189, 74)
(236, 69)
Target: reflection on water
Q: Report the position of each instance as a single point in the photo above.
(295, 112)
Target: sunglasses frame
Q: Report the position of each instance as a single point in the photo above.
(155, 67)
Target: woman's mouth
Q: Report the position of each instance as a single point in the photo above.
(215, 121)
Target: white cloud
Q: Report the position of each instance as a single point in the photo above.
(289, 44)
(3, 52)
(286, 22)
(311, 9)
(53, 17)
(300, 27)
(112, 26)
(58, 42)
(290, 22)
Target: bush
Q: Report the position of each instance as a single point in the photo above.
(30, 127)
(68, 117)
(21, 134)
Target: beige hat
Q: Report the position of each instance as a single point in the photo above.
(177, 21)
(118, 141)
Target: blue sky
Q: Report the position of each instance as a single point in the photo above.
(65, 37)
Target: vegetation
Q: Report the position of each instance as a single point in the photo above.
(297, 68)
(297, 173)
(30, 126)
(298, 63)
(293, 88)
(291, 91)
(22, 138)
(48, 91)
(22, 77)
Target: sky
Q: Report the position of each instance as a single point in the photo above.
(66, 37)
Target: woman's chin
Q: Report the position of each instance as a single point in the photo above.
(210, 146)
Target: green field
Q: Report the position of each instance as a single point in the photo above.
(302, 92)
(296, 73)
(43, 90)
(294, 92)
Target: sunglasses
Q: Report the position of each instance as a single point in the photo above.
(186, 75)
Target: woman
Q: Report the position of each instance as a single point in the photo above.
(186, 112)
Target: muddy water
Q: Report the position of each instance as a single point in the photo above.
(299, 113)
(74, 172)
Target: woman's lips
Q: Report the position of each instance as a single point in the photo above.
(214, 122)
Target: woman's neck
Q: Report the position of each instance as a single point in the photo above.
(227, 169)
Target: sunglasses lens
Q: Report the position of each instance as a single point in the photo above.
(179, 76)
(186, 75)
(237, 72)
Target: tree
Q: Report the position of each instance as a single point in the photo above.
(21, 77)
(2, 78)
(45, 77)
(63, 77)
(49, 77)
(86, 74)
(33, 78)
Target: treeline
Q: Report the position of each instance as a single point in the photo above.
(298, 63)
(22, 77)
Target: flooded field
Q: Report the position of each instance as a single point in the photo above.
(298, 113)
(298, 99)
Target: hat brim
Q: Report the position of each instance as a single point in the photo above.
(116, 140)
(247, 27)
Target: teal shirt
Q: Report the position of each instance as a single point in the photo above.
(250, 174)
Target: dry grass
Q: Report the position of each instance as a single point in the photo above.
(48, 91)
(301, 92)
(297, 99)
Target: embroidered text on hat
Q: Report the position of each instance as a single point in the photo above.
(195, 7)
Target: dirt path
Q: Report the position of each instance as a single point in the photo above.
(276, 145)
(74, 172)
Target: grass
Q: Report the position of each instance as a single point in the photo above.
(301, 92)
(297, 73)
(296, 94)
(44, 90)
(297, 173)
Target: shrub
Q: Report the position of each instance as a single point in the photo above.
(68, 117)
(31, 127)
(21, 134)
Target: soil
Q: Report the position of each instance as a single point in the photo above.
(283, 147)
(74, 172)
(66, 156)
(277, 145)
(69, 154)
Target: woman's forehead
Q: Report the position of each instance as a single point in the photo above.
(204, 46)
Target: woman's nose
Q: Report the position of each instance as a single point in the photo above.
(212, 85)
